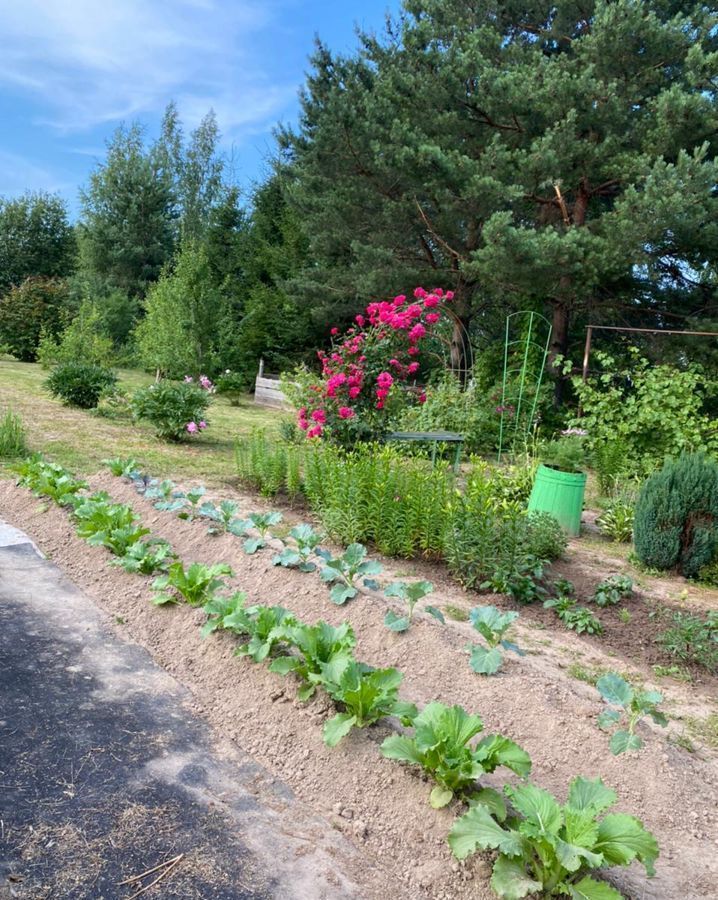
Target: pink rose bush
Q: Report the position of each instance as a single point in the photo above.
(367, 373)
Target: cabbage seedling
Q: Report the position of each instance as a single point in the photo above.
(410, 594)
(632, 705)
(345, 569)
(491, 625)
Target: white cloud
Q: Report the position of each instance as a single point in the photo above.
(94, 62)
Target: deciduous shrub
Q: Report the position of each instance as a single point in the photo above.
(676, 520)
(637, 414)
(27, 309)
(80, 384)
(175, 410)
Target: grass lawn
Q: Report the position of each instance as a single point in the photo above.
(80, 440)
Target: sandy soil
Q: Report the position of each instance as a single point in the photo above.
(378, 804)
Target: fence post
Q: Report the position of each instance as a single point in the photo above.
(261, 368)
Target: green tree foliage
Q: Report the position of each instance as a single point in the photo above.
(520, 154)
(37, 306)
(36, 239)
(676, 522)
(194, 169)
(127, 220)
(187, 327)
(276, 323)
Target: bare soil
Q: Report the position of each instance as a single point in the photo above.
(381, 806)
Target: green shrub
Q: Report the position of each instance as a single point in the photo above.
(84, 338)
(676, 520)
(637, 414)
(170, 407)
(616, 521)
(28, 309)
(709, 574)
(80, 384)
(12, 436)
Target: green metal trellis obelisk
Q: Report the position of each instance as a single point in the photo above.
(524, 365)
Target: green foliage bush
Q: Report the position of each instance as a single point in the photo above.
(170, 406)
(80, 384)
(637, 414)
(693, 639)
(676, 519)
(450, 407)
(84, 338)
(28, 309)
(12, 436)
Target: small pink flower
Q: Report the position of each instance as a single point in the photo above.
(346, 412)
(192, 427)
(334, 332)
(422, 398)
(359, 320)
(382, 393)
(202, 424)
(413, 351)
(380, 404)
(413, 367)
(188, 379)
(303, 424)
(315, 432)
(430, 301)
(417, 332)
(354, 392)
(419, 293)
(431, 318)
(384, 380)
(319, 416)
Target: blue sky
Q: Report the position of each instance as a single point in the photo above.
(72, 70)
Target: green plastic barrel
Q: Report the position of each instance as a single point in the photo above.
(561, 494)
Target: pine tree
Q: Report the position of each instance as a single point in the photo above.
(559, 154)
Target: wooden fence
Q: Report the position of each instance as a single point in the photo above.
(268, 391)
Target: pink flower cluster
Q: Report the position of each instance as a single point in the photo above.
(203, 381)
(367, 364)
(195, 427)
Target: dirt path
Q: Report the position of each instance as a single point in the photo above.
(106, 775)
(378, 805)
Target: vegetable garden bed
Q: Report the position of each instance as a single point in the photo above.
(382, 806)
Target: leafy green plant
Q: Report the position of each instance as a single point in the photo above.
(692, 639)
(441, 745)
(160, 490)
(13, 441)
(47, 479)
(345, 569)
(491, 625)
(616, 521)
(270, 466)
(709, 574)
(105, 524)
(266, 627)
(262, 522)
(612, 590)
(121, 467)
(185, 504)
(226, 612)
(366, 695)
(171, 407)
(566, 453)
(146, 557)
(548, 849)
(196, 584)
(80, 384)
(521, 580)
(631, 705)
(410, 594)
(224, 517)
(578, 618)
(307, 540)
(317, 646)
(374, 494)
